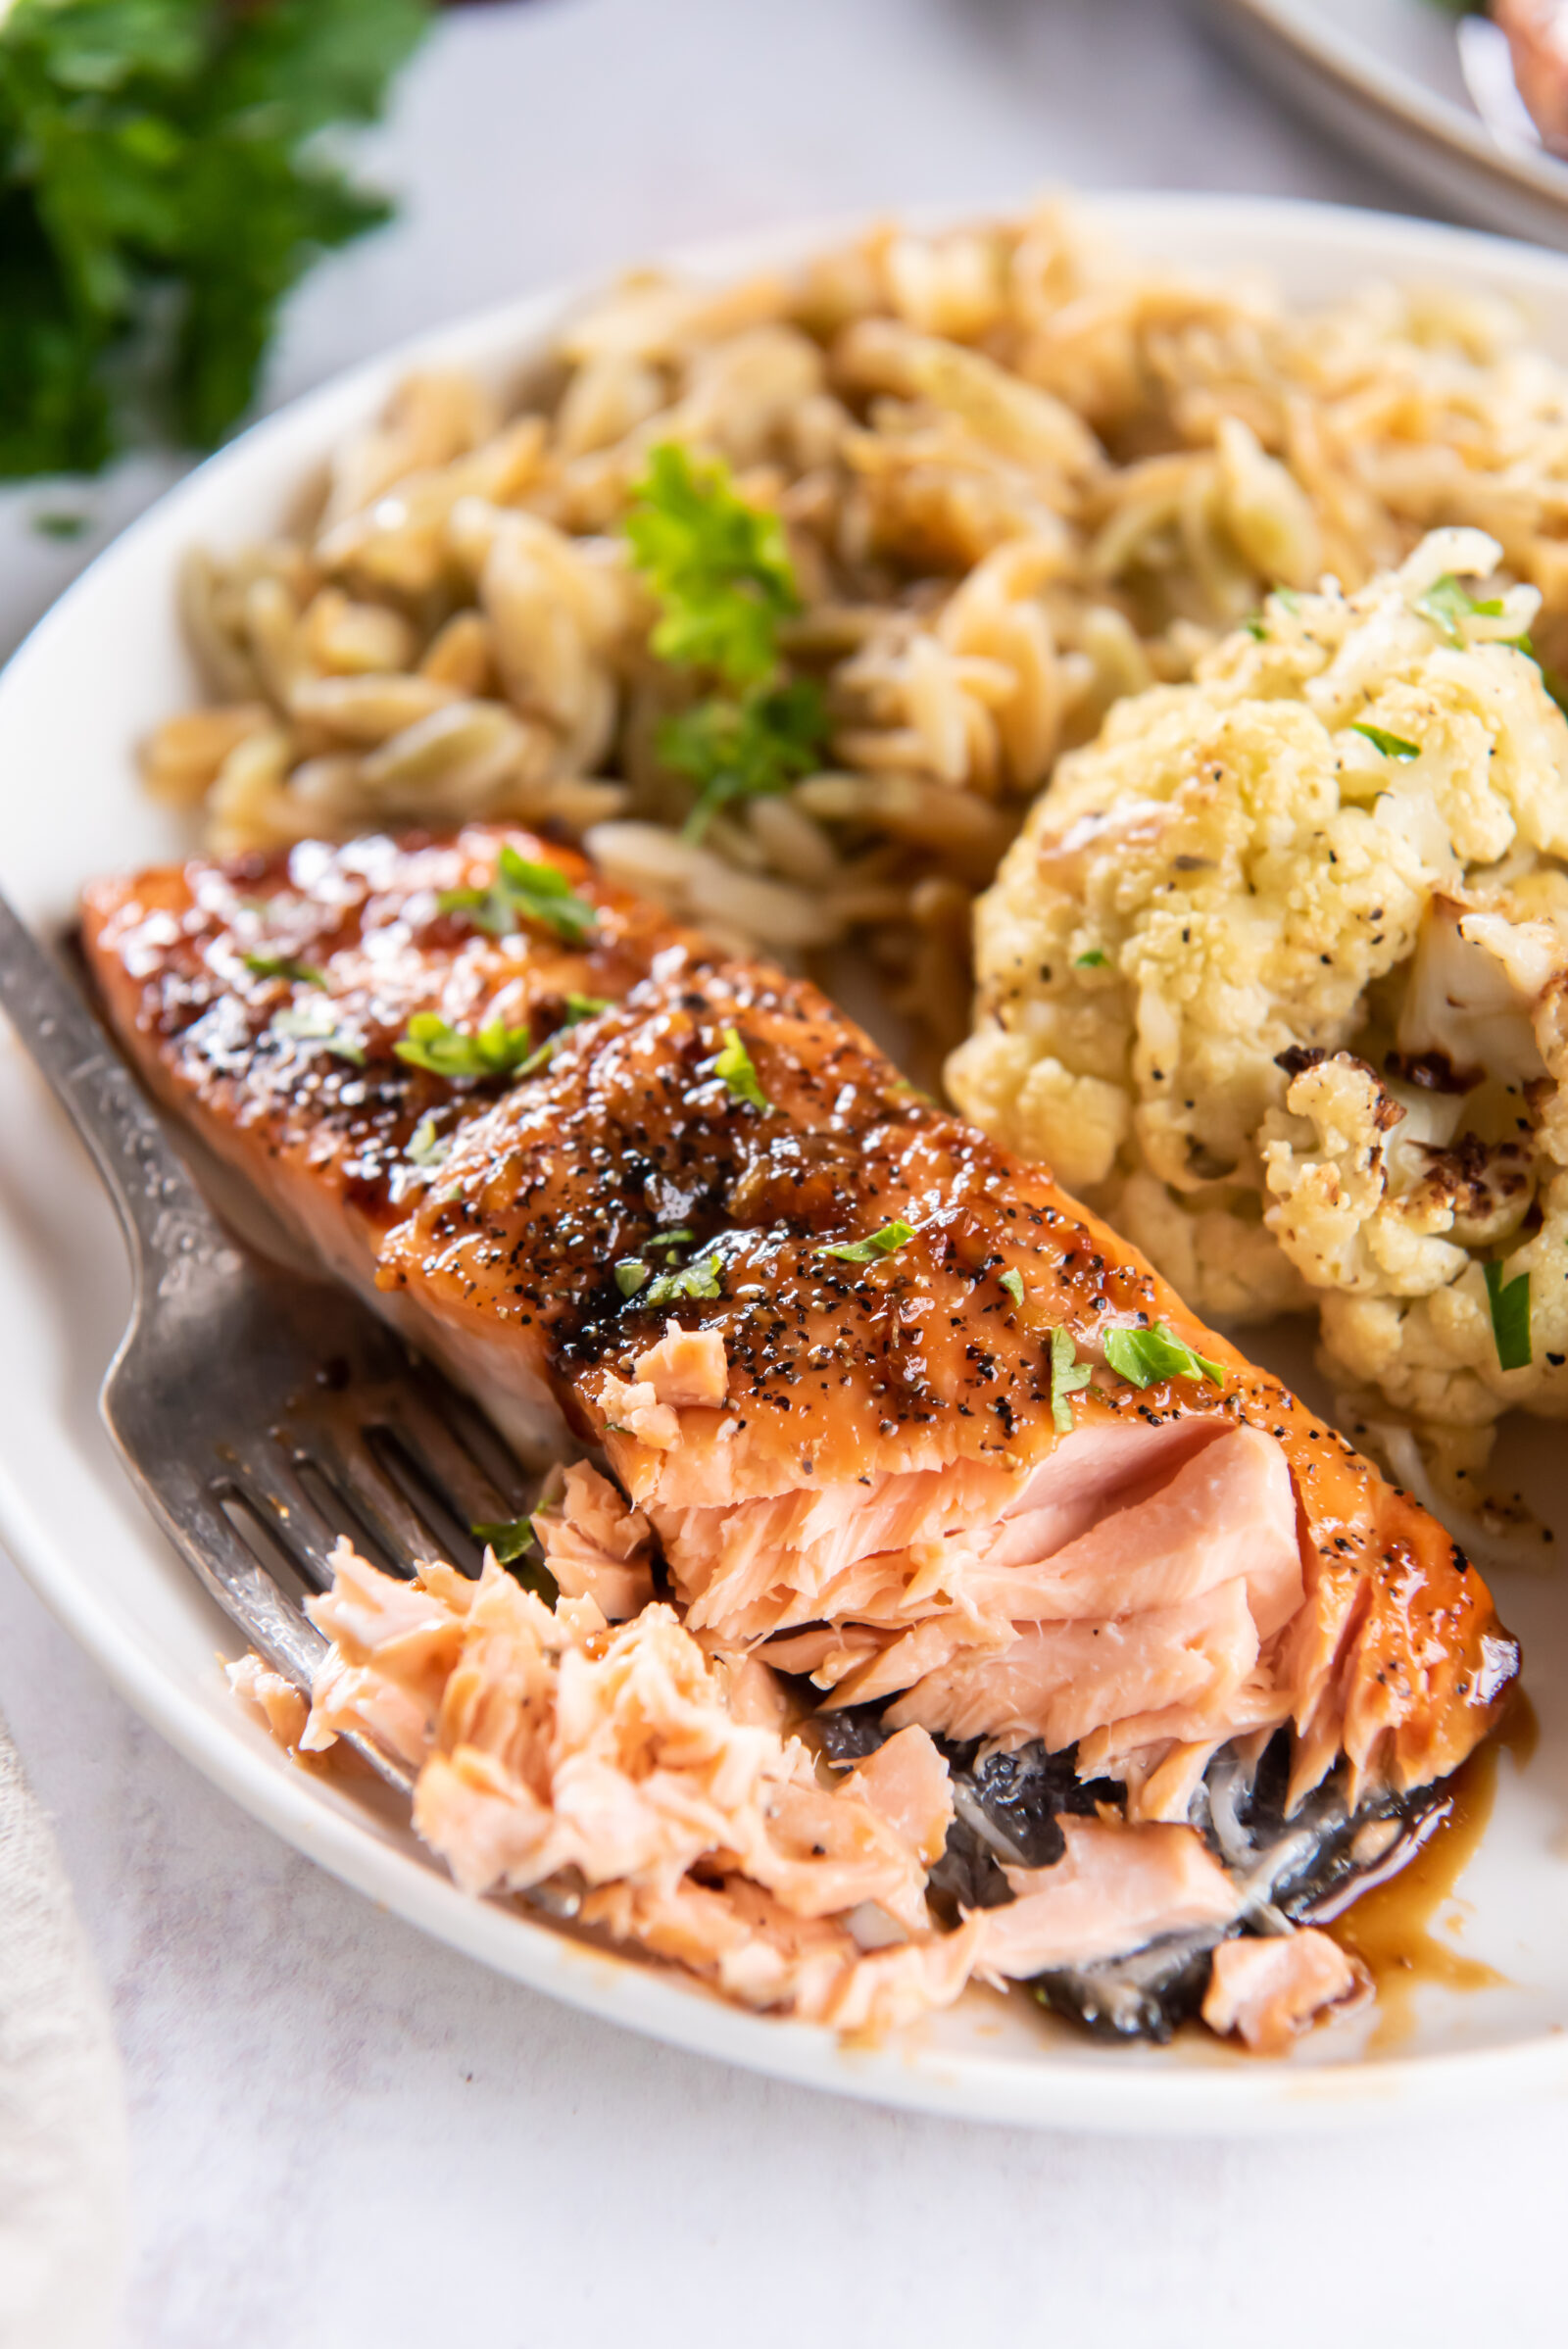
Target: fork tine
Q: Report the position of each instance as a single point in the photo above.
(426, 1432)
(345, 1457)
(269, 1618)
(268, 1474)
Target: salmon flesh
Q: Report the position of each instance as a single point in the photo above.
(898, 1436)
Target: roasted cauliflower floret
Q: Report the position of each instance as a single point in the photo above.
(1277, 974)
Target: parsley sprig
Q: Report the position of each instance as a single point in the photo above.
(525, 891)
(493, 1051)
(721, 574)
(1067, 1376)
(512, 1541)
(1144, 1355)
(1391, 746)
(746, 749)
(163, 184)
(738, 1072)
(892, 1235)
(284, 967)
(719, 567)
(1510, 1304)
(1448, 602)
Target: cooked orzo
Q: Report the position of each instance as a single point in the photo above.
(1018, 477)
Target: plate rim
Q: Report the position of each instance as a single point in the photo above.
(1423, 113)
(1123, 2094)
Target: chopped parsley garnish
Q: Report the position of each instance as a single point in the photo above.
(1067, 1375)
(1391, 746)
(1510, 1304)
(579, 1007)
(314, 1022)
(746, 749)
(718, 567)
(284, 967)
(735, 1065)
(1012, 1282)
(721, 574)
(698, 1278)
(1289, 597)
(426, 1146)
(535, 893)
(1256, 628)
(169, 169)
(1094, 960)
(875, 1244)
(1144, 1355)
(447, 1052)
(509, 1540)
(631, 1274)
(61, 526)
(1446, 603)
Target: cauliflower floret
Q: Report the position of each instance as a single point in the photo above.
(1276, 975)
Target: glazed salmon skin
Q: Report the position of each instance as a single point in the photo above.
(884, 1408)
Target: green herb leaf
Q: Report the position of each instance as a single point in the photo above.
(734, 1064)
(1289, 597)
(631, 1274)
(1447, 602)
(1510, 1316)
(719, 567)
(1067, 1375)
(61, 526)
(749, 748)
(162, 185)
(1393, 746)
(1012, 1282)
(875, 1244)
(542, 893)
(1094, 960)
(284, 967)
(536, 893)
(1144, 1355)
(1254, 628)
(496, 1050)
(675, 1239)
(509, 1540)
(427, 1146)
(314, 1022)
(579, 1007)
(698, 1278)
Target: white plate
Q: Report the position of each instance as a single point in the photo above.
(103, 665)
(1429, 100)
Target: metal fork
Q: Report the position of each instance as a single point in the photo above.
(258, 1414)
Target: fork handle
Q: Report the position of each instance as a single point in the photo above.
(164, 1215)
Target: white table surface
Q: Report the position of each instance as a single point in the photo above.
(346, 2136)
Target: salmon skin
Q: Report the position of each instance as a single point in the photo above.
(883, 1407)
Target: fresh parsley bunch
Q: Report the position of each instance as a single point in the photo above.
(722, 577)
(164, 182)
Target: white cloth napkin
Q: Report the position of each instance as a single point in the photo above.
(63, 2142)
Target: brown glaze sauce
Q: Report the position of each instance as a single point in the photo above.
(1390, 1928)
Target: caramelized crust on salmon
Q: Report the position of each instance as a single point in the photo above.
(813, 1327)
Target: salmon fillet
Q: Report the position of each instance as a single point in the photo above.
(856, 1382)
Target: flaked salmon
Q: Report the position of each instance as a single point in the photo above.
(906, 1439)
